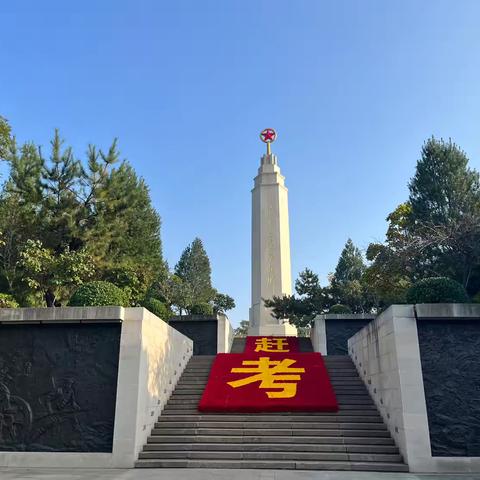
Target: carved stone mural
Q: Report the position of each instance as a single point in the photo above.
(58, 385)
(338, 332)
(450, 357)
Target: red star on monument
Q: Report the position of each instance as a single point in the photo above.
(268, 135)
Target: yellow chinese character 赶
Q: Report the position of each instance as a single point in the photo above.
(270, 374)
(271, 345)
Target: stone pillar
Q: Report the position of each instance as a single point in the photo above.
(271, 270)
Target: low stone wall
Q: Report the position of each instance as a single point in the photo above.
(83, 386)
(420, 364)
(330, 332)
(210, 334)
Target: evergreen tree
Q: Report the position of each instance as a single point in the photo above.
(61, 207)
(194, 268)
(443, 188)
(350, 266)
(346, 286)
(101, 208)
(222, 302)
(5, 138)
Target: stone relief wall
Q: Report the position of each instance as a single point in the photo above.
(202, 332)
(58, 386)
(338, 332)
(450, 357)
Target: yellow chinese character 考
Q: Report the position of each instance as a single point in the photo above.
(271, 374)
(271, 345)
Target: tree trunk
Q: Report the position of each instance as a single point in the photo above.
(50, 298)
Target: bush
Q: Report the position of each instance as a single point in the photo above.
(340, 309)
(437, 290)
(98, 294)
(202, 309)
(7, 301)
(158, 308)
(476, 298)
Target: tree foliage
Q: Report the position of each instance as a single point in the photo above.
(194, 269)
(437, 290)
(436, 232)
(57, 209)
(98, 294)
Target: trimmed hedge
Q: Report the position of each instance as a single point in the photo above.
(98, 294)
(7, 301)
(339, 309)
(202, 309)
(437, 290)
(158, 308)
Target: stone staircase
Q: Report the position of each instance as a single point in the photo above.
(354, 438)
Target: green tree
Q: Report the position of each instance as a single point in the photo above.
(101, 207)
(443, 187)
(222, 303)
(5, 138)
(242, 329)
(181, 294)
(55, 276)
(61, 208)
(194, 268)
(346, 285)
(445, 200)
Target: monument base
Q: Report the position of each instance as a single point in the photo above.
(283, 330)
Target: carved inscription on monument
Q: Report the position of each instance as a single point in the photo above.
(58, 387)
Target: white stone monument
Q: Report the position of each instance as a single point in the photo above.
(271, 270)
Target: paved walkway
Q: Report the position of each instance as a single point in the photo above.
(207, 474)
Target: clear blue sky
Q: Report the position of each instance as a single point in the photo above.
(352, 87)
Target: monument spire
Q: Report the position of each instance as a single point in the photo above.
(271, 271)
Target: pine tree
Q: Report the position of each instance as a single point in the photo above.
(61, 206)
(5, 138)
(346, 286)
(194, 268)
(350, 265)
(443, 188)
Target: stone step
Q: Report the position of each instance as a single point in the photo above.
(272, 425)
(353, 410)
(310, 439)
(295, 432)
(272, 417)
(274, 465)
(194, 399)
(271, 447)
(284, 455)
(341, 396)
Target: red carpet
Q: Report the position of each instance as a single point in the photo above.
(268, 381)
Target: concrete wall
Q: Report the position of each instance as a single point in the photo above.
(152, 358)
(387, 356)
(331, 330)
(225, 333)
(211, 334)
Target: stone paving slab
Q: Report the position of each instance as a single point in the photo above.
(210, 474)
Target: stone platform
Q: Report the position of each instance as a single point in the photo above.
(206, 474)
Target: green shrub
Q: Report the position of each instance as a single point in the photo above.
(98, 294)
(158, 308)
(7, 301)
(202, 309)
(437, 290)
(340, 309)
(476, 298)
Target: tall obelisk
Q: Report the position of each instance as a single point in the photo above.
(271, 270)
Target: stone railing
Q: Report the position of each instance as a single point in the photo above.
(420, 364)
